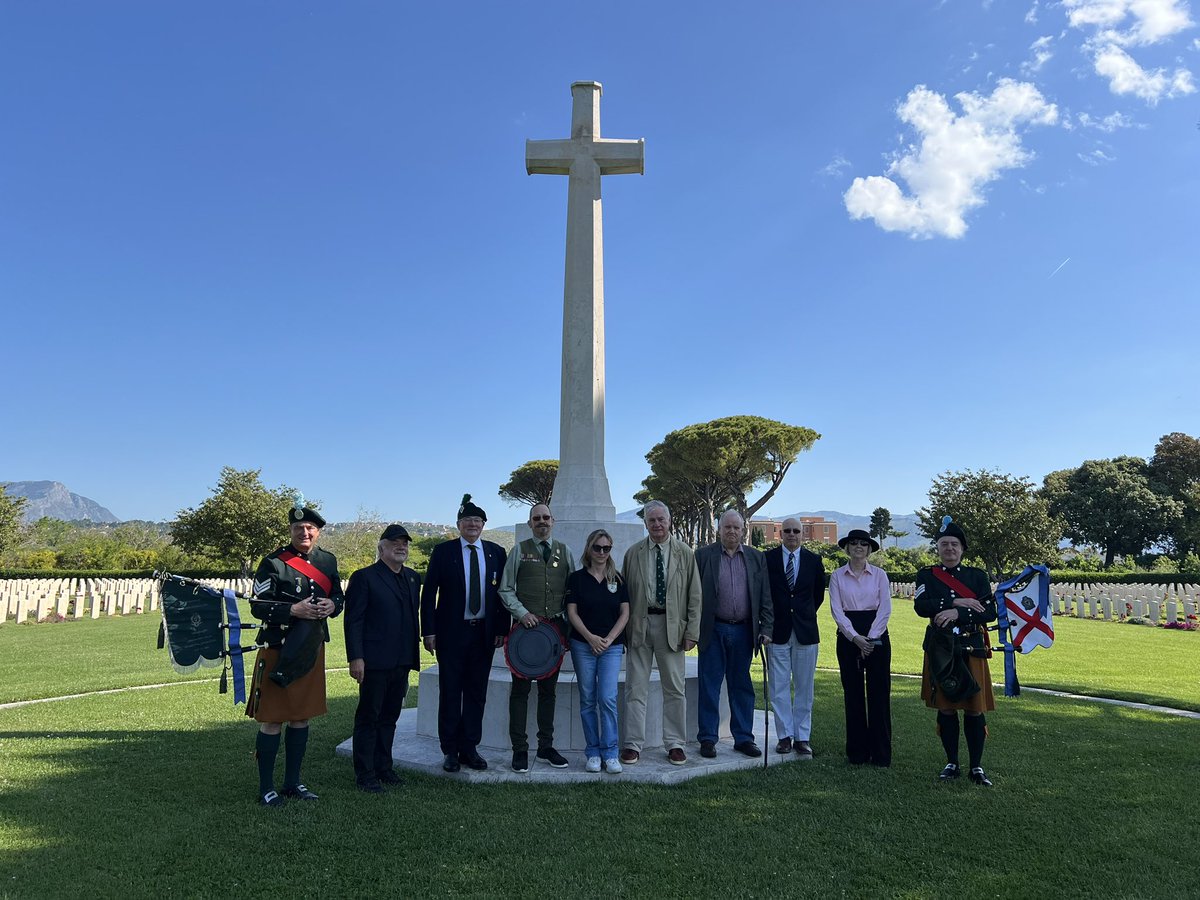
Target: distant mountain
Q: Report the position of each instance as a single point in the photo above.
(51, 498)
(846, 521)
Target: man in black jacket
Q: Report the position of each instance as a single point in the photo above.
(382, 622)
(797, 579)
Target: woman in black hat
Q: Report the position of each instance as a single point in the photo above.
(958, 601)
(860, 598)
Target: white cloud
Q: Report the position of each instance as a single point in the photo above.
(835, 166)
(1031, 16)
(1130, 22)
(1196, 43)
(1110, 123)
(1096, 158)
(954, 158)
(1125, 76)
(1041, 55)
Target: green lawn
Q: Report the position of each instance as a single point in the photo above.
(149, 793)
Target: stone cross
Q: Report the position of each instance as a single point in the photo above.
(581, 492)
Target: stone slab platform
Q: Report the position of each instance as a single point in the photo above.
(417, 753)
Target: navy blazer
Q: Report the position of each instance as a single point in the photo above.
(796, 608)
(444, 596)
(375, 617)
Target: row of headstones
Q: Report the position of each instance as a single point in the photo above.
(90, 598)
(1155, 602)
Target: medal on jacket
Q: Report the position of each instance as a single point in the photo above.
(612, 587)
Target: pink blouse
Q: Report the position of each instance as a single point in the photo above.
(868, 591)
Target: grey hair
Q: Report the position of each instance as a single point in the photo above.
(727, 512)
(656, 504)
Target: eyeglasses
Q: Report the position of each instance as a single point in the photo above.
(791, 530)
(540, 518)
(601, 548)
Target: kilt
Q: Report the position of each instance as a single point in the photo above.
(303, 699)
(983, 701)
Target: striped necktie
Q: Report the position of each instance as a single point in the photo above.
(791, 569)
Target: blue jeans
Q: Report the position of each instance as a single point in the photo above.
(726, 658)
(597, 677)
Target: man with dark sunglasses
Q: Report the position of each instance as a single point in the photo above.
(797, 579)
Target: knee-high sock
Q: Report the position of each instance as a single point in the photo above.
(266, 748)
(948, 729)
(293, 755)
(975, 728)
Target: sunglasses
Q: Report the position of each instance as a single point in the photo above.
(791, 530)
(601, 548)
(857, 544)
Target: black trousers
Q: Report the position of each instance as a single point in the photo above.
(464, 660)
(518, 712)
(380, 699)
(869, 715)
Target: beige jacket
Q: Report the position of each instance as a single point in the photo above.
(683, 592)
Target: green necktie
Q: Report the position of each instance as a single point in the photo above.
(660, 578)
(476, 601)
(545, 552)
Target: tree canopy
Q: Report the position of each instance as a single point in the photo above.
(11, 509)
(881, 523)
(1175, 467)
(531, 483)
(701, 470)
(241, 522)
(1007, 522)
(1112, 504)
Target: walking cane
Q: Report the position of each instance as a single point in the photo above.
(761, 650)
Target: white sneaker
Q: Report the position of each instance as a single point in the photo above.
(613, 766)
(593, 764)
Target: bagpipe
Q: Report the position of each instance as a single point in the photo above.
(1023, 620)
(202, 626)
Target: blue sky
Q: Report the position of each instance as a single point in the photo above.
(299, 236)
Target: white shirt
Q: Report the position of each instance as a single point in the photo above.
(466, 558)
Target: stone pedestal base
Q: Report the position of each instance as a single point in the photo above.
(574, 534)
(568, 730)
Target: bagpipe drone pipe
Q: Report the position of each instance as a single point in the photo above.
(201, 626)
(1023, 619)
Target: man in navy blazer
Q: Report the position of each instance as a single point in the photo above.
(463, 622)
(381, 622)
(797, 579)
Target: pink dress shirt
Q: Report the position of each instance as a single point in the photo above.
(868, 591)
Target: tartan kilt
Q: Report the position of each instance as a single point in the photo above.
(303, 699)
(982, 701)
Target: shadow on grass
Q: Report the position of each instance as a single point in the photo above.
(138, 795)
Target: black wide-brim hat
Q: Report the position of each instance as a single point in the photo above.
(857, 534)
(534, 652)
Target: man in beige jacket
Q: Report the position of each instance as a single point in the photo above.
(664, 623)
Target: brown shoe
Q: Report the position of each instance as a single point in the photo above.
(630, 757)
(803, 750)
(676, 757)
(784, 746)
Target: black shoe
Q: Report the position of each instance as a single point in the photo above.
(520, 761)
(553, 757)
(271, 798)
(369, 787)
(299, 792)
(749, 748)
(708, 749)
(951, 771)
(979, 777)
(389, 776)
(472, 760)
(450, 762)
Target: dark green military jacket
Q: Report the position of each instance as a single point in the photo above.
(932, 596)
(275, 580)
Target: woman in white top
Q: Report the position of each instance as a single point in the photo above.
(860, 598)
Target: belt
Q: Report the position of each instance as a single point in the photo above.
(655, 611)
(730, 621)
(472, 622)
